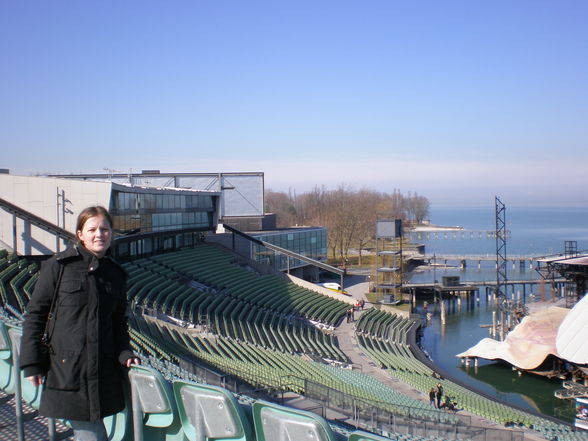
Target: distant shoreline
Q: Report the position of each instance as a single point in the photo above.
(431, 228)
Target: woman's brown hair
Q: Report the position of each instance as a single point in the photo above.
(89, 212)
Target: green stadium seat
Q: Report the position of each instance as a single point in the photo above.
(154, 407)
(210, 412)
(279, 423)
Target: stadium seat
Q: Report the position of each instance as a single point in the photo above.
(209, 412)
(154, 408)
(30, 394)
(278, 423)
(6, 372)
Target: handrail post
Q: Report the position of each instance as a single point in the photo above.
(17, 385)
(137, 414)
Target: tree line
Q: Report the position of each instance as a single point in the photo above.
(349, 215)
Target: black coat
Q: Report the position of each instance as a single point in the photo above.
(89, 340)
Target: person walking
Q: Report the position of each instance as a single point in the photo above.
(439, 394)
(79, 303)
(432, 397)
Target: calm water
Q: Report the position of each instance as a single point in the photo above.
(534, 230)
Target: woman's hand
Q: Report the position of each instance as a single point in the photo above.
(132, 361)
(36, 380)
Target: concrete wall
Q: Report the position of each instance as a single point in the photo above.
(321, 290)
(39, 196)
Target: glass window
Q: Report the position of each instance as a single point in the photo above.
(150, 203)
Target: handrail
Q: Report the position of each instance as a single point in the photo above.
(37, 221)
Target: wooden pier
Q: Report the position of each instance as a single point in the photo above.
(468, 288)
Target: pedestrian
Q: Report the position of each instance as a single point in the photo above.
(439, 394)
(79, 303)
(349, 316)
(432, 397)
(362, 304)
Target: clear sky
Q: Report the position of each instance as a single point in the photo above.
(456, 100)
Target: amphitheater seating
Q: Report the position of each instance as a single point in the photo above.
(277, 370)
(218, 270)
(160, 284)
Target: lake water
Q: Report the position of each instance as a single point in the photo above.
(533, 230)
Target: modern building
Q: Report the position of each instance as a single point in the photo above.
(146, 219)
(155, 212)
(241, 194)
(307, 241)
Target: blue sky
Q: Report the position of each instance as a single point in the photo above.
(456, 100)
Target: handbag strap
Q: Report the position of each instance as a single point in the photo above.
(50, 316)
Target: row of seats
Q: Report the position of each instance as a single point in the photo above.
(279, 371)
(210, 266)
(157, 287)
(177, 409)
(17, 278)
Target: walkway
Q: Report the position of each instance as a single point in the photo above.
(35, 426)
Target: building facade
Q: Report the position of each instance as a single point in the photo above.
(146, 219)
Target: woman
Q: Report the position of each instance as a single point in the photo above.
(88, 336)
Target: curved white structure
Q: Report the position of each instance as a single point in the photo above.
(572, 335)
(528, 344)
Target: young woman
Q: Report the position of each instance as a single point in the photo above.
(88, 337)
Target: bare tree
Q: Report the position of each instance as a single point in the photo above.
(418, 208)
(349, 216)
(282, 205)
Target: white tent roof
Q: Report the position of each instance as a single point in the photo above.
(528, 344)
(554, 330)
(572, 335)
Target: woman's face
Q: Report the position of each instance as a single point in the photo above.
(96, 235)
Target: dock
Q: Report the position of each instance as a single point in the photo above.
(468, 289)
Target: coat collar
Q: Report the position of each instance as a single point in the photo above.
(79, 252)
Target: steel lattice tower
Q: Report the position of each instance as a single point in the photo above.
(501, 275)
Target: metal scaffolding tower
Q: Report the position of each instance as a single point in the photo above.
(389, 266)
(501, 275)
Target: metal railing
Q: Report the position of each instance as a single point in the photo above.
(387, 418)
